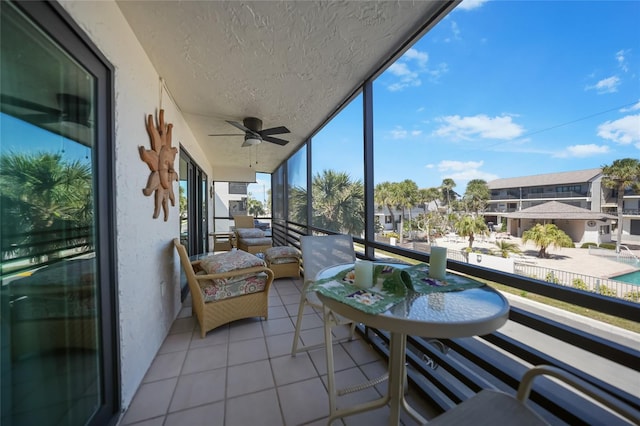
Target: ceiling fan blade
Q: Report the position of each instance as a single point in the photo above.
(239, 126)
(274, 131)
(277, 141)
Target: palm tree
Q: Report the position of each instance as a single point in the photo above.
(338, 202)
(255, 207)
(447, 188)
(46, 200)
(406, 197)
(476, 195)
(298, 204)
(546, 235)
(428, 195)
(384, 195)
(620, 175)
(505, 248)
(469, 226)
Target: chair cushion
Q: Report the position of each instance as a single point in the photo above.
(288, 253)
(230, 261)
(265, 241)
(213, 290)
(283, 260)
(250, 233)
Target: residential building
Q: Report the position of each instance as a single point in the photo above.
(581, 188)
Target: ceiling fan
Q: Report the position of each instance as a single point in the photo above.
(72, 109)
(254, 134)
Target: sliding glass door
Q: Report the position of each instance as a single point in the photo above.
(57, 347)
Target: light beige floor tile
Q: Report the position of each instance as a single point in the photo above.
(277, 326)
(205, 358)
(303, 402)
(151, 400)
(211, 414)
(288, 369)
(276, 312)
(182, 325)
(250, 328)
(247, 351)
(288, 288)
(175, 343)
(360, 351)
(165, 366)
(217, 336)
(197, 389)
(310, 321)
(185, 312)
(341, 359)
(156, 421)
(279, 345)
(290, 299)
(256, 409)
(353, 377)
(314, 336)
(247, 378)
(274, 299)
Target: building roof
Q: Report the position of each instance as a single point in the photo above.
(558, 210)
(578, 176)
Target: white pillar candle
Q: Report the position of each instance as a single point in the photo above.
(438, 263)
(364, 274)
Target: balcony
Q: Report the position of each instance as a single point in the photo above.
(263, 380)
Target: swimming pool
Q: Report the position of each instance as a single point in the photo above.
(631, 277)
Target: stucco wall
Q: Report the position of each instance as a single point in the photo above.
(148, 274)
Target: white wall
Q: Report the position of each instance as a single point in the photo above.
(148, 274)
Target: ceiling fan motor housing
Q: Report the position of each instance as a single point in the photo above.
(253, 124)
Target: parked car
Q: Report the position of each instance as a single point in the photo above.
(261, 225)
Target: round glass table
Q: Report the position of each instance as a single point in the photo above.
(466, 313)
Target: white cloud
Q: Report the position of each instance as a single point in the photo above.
(624, 131)
(429, 166)
(464, 171)
(454, 165)
(420, 57)
(480, 125)
(471, 4)
(398, 133)
(622, 62)
(455, 30)
(633, 107)
(408, 78)
(580, 151)
(606, 85)
(410, 67)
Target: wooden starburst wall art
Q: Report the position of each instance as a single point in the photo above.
(160, 159)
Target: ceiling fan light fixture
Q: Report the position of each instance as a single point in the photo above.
(250, 140)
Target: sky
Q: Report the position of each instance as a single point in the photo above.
(501, 89)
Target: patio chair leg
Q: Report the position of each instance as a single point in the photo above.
(296, 335)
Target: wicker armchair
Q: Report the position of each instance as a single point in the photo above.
(219, 298)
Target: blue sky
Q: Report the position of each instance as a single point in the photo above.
(501, 89)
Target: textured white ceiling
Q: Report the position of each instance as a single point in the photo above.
(289, 63)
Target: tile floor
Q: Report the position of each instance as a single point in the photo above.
(243, 373)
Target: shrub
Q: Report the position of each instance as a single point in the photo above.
(633, 296)
(579, 284)
(608, 246)
(606, 291)
(551, 278)
(587, 245)
(392, 235)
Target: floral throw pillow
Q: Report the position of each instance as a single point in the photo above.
(230, 261)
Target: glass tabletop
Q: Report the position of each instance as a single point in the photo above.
(468, 312)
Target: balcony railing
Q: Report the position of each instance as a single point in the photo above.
(540, 195)
(450, 371)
